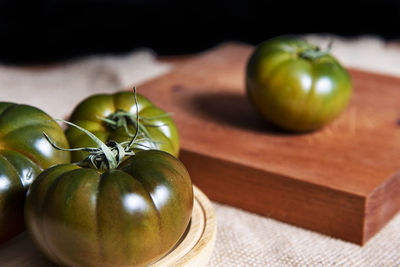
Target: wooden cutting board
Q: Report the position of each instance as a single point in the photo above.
(342, 180)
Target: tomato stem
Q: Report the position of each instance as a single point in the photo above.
(314, 52)
(137, 121)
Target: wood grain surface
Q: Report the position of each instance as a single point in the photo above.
(194, 249)
(342, 180)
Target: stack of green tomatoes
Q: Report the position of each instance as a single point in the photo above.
(83, 216)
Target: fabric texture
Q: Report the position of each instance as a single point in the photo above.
(58, 89)
(243, 238)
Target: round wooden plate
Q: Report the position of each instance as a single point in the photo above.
(194, 248)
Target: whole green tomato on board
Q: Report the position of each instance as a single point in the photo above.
(24, 153)
(113, 117)
(295, 85)
(124, 208)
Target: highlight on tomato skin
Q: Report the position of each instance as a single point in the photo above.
(113, 117)
(296, 85)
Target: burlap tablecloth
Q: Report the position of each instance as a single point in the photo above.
(243, 239)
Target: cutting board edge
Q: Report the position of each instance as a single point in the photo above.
(328, 211)
(381, 206)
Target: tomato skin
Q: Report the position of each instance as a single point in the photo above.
(295, 92)
(24, 153)
(131, 215)
(89, 112)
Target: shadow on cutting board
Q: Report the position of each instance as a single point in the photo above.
(233, 109)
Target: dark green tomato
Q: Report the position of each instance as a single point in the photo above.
(24, 153)
(295, 85)
(132, 215)
(89, 113)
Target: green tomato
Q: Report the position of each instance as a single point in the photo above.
(131, 215)
(92, 112)
(295, 85)
(24, 153)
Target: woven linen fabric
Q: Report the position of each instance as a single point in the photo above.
(58, 89)
(243, 238)
(247, 239)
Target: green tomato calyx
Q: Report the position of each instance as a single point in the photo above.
(312, 52)
(122, 118)
(105, 156)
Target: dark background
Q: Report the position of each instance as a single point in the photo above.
(52, 30)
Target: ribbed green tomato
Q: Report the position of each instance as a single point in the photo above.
(24, 153)
(295, 85)
(154, 121)
(131, 215)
